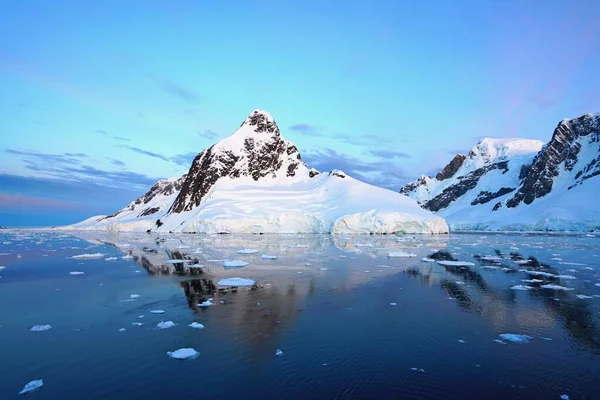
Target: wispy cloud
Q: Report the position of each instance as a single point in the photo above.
(369, 140)
(306, 129)
(183, 159)
(118, 163)
(208, 134)
(386, 174)
(144, 152)
(387, 154)
(119, 138)
(16, 202)
(176, 90)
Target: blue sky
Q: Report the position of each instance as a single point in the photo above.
(101, 99)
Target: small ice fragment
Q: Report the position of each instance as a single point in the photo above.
(456, 263)
(32, 386)
(40, 328)
(157, 311)
(515, 338)
(2, 267)
(421, 370)
(499, 341)
(258, 304)
(76, 273)
(247, 251)
(308, 264)
(206, 303)
(279, 353)
(461, 341)
(183, 354)
(546, 338)
(555, 287)
(414, 368)
(165, 324)
(84, 256)
(564, 397)
(137, 323)
(179, 261)
(268, 257)
(236, 282)
(400, 254)
(393, 304)
(196, 325)
(323, 268)
(426, 259)
(299, 272)
(140, 316)
(460, 283)
(122, 330)
(521, 287)
(111, 259)
(127, 257)
(583, 297)
(234, 264)
(134, 296)
(342, 256)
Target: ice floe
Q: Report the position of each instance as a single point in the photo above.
(515, 338)
(183, 354)
(533, 280)
(268, 257)
(40, 328)
(521, 287)
(234, 264)
(76, 273)
(459, 282)
(92, 255)
(456, 263)
(393, 304)
(555, 287)
(134, 296)
(32, 386)
(180, 261)
(196, 325)
(499, 341)
(157, 311)
(583, 296)
(462, 341)
(278, 353)
(425, 259)
(122, 330)
(165, 324)
(400, 254)
(236, 282)
(247, 251)
(206, 303)
(111, 259)
(127, 257)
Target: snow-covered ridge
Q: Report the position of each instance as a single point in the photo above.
(255, 181)
(509, 185)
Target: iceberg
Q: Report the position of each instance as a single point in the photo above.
(515, 338)
(165, 324)
(400, 254)
(236, 282)
(32, 386)
(196, 325)
(234, 264)
(40, 328)
(183, 354)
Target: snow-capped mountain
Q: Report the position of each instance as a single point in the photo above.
(255, 181)
(520, 184)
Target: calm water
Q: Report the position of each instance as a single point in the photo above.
(325, 302)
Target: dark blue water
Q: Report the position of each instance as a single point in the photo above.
(325, 302)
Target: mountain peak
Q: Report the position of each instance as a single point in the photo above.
(260, 121)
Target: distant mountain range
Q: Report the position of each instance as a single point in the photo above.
(255, 181)
(520, 184)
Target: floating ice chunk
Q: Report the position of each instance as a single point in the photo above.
(499, 341)
(400, 254)
(456, 263)
(532, 280)
(2, 267)
(521, 287)
(393, 304)
(570, 263)
(460, 283)
(127, 257)
(247, 251)
(308, 264)
(84, 256)
(122, 330)
(111, 259)
(183, 354)
(279, 353)
(323, 269)
(134, 296)
(461, 341)
(522, 262)
(157, 311)
(236, 282)
(234, 264)
(515, 338)
(137, 323)
(597, 284)
(196, 325)
(174, 261)
(383, 266)
(268, 257)
(76, 273)
(165, 324)
(565, 277)
(556, 259)
(417, 369)
(555, 287)
(140, 316)
(425, 259)
(40, 328)
(32, 386)
(564, 397)
(363, 244)
(588, 268)
(206, 303)
(491, 258)
(540, 273)
(214, 260)
(583, 296)
(5, 254)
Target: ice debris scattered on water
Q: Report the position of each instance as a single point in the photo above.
(234, 264)
(196, 325)
(417, 369)
(279, 353)
(84, 256)
(76, 273)
(134, 296)
(127, 257)
(515, 338)
(584, 297)
(111, 259)
(400, 254)
(40, 328)
(393, 304)
(456, 263)
(521, 287)
(247, 251)
(122, 330)
(425, 259)
(555, 287)
(183, 354)
(499, 341)
(460, 283)
(157, 311)
(564, 397)
(32, 386)
(137, 323)
(165, 324)
(268, 257)
(206, 303)
(236, 282)
(461, 341)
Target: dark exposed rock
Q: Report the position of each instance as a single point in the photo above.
(338, 173)
(485, 196)
(313, 172)
(464, 184)
(563, 149)
(497, 206)
(450, 169)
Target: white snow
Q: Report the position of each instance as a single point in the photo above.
(40, 328)
(183, 354)
(234, 264)
(400, 254)
(515, 338)
(456, 263)
(165, 324)
(196, 325)
(32, 386)
(85, 256)
(236, 282)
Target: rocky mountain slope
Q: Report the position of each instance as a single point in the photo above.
(519, 184)
(255, 181)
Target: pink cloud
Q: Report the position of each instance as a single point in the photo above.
(16, 202)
